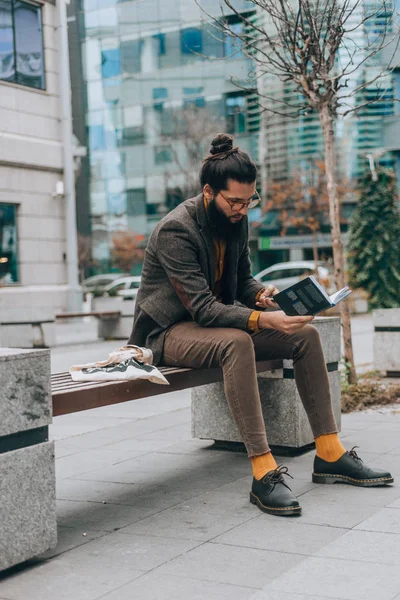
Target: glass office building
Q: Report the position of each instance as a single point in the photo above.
(146, 64)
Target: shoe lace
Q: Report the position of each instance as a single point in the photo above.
(276, 476)
(354, 454)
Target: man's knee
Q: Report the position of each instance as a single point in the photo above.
(238, 341)
(309, 336)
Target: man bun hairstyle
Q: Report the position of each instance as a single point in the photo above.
(226, 161)
(222, 143)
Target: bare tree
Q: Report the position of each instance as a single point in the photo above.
(318, 47)
(302, 202)
(192, 130)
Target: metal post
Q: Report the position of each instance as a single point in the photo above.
(74, 293)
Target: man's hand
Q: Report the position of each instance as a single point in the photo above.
(265, 300)
(282, 322)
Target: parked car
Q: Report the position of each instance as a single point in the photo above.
(283, 275)
(124, 286)
(97, 283)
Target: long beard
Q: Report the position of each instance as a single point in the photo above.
(220, 225)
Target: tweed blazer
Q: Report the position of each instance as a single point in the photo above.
(178, 277)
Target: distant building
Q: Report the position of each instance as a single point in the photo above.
(147, 64)
(32, 225)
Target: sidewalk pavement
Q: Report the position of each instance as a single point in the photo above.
(145, 511)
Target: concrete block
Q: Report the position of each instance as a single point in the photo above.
(27, 335)
(386, 343)
(27, 503)
(285, 418)
(25, 400)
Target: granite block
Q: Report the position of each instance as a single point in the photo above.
(25, 398)
(115, 329)
(27, 503)
(386, 345)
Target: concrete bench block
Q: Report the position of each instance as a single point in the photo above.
(27, 481)
(28, 335)
(386, 346)
(27, 503)
(25, 397)
(285, 418)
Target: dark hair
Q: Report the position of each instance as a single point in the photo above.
(226, 162)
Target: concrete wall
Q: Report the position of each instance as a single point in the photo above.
(30, 166)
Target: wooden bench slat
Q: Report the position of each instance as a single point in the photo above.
(73, 396)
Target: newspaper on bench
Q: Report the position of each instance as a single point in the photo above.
(127, 363)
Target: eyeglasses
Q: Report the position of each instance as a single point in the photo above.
(237, 205)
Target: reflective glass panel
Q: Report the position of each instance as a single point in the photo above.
(8, 244)
(29, 45)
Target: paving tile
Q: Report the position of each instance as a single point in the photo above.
(69, 538)
(140, 551)
(194, 519)
(71, 425)
(189, 473)
(90, 460)
(369, 546)
(281, 535)
(236, 565)
(375, 442)
(389, 462)
(346, 579)
(153, 586)
(95, 516)
(333, 511)
(268, 594)
(349, 496)
(131, 429)
(395, 503)
(64, 577)
(386, 520)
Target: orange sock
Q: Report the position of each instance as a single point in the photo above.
(329, 447)
(261, 465)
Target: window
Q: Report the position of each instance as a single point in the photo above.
(159, 94)
(8, 244)
(235, 108)
(191, 40)
(234, 45)
(110, 63)
(21, 43)
(136, 202)
(131, 56)
(163, 155)
(193, 97)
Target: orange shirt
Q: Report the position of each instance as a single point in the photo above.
(220, 251)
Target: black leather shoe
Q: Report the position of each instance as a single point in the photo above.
(349, 469)
(272, 494)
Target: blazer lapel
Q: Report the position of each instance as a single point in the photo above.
(205, 232)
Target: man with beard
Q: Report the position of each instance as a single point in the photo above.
(196, 266)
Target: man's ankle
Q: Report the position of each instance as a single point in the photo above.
(263, 464)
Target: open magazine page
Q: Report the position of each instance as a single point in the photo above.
(340, 295)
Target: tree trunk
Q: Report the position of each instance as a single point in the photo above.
(315, 250)
(334, 217)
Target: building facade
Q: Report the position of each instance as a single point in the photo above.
(32, 225)
(159, 87)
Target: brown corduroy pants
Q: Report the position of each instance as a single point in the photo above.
(235, 351)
